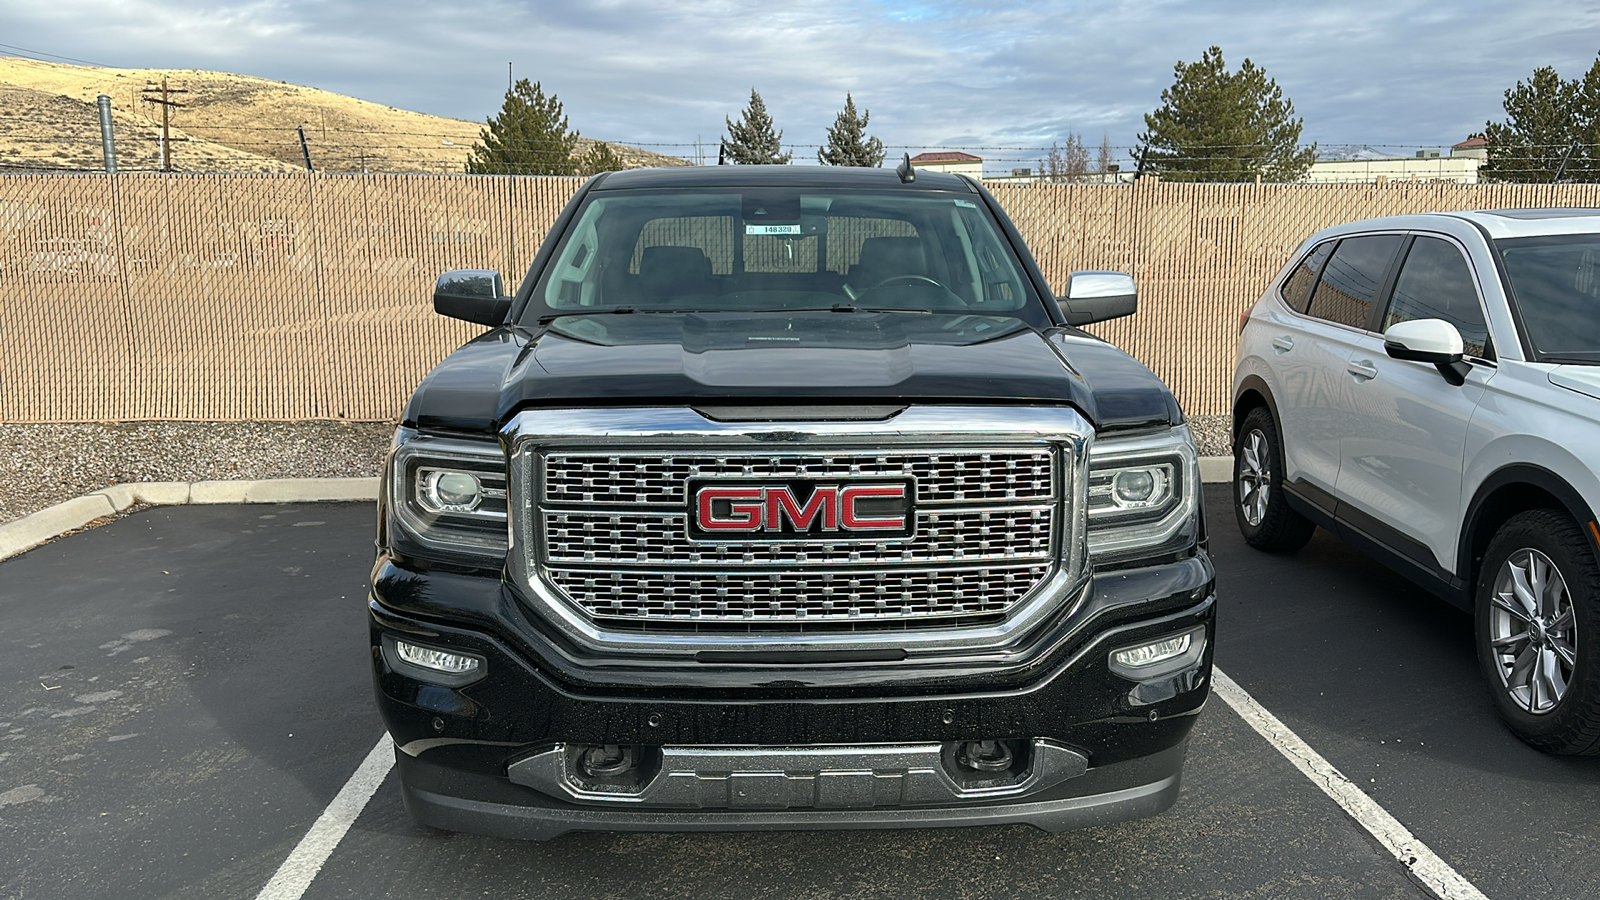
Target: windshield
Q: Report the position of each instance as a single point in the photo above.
(777, 249)
(1555, 283)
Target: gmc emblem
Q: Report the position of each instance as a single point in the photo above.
(758, 510)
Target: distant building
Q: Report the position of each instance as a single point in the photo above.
(1427, 166)
(953, 161)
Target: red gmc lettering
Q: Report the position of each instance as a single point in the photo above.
(743, 516)
(765, 508)
(847, 506)
(781, 502)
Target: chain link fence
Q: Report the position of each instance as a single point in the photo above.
(293, 296)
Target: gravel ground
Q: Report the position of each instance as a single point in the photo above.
(41, 465)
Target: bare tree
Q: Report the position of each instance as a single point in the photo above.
(1103, 164)
(1069, 162)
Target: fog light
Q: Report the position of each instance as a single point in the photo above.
(1160, 657)
(437, 660)
(1150, 654)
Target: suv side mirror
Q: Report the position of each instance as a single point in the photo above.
(1098, 296)
(1430, 341)
(472, 295)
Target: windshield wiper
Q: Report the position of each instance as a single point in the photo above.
(627, 310)
(848, 308)
(609, 311)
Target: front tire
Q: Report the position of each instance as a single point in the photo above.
(1537, 607)
(1259, 504)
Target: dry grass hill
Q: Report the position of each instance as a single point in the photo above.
(227, 123)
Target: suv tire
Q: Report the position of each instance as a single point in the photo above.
(1259, 504)
(1537, 608)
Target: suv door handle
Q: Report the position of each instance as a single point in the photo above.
(1283, 344)
(1362, 369)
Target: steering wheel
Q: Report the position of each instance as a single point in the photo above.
(908, 279)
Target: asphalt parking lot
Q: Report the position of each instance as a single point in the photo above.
(187, 691)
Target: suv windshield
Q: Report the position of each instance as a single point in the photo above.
(1555, 282)
(783, 249)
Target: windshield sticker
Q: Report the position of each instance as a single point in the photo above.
(772, 229)
(967, 203)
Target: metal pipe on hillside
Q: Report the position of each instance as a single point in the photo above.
(107, 145)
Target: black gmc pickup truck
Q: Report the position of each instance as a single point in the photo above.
(783, 497)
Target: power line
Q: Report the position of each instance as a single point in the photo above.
(57, 56)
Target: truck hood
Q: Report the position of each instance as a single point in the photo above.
(801, 357)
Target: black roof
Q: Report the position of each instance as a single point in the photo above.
(780, 176)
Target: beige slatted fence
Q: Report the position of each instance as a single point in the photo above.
(299, 296)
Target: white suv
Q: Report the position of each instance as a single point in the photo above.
(1428, 388)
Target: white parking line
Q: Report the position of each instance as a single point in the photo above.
(297, 872)
(1425, 866)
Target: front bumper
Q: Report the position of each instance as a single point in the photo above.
(479, 756)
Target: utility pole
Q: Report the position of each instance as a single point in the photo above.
(304, 150)
(167, 103)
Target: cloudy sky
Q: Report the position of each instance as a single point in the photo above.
(934, 73)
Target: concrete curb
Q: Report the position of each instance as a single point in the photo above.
(34, 529)
(1216, 469)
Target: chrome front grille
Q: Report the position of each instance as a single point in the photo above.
(942, 535)
(816, 595)
(611, 538)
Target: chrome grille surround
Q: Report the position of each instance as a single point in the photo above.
(616, 570)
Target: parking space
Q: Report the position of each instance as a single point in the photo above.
(188, 691)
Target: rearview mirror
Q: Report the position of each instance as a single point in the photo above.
(472, 295)
(1429, 341)
(1098, 296)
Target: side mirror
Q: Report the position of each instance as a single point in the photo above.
(1429, 341)
(1098, 296)
(472, 295)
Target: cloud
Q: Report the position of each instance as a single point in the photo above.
(933, 72)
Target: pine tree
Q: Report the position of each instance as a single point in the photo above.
(848, 144)
(1545, 118)
(600, 158)
(529, 137)
(1217, 125)
(751, 141)
(1102, 163)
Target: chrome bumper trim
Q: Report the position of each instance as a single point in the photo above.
(748, 778)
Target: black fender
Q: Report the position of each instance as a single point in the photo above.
(1259, 385)
(1475, 536)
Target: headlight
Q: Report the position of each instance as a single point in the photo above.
(449, 495)
(449, 491)
(1143, 495)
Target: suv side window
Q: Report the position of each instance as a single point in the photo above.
(1436, 283)
(1296, 290)
(1351, 279)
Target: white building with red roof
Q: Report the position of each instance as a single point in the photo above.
(953, 161)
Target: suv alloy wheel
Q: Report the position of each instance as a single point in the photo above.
(1536, 611)
(1265, 519)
